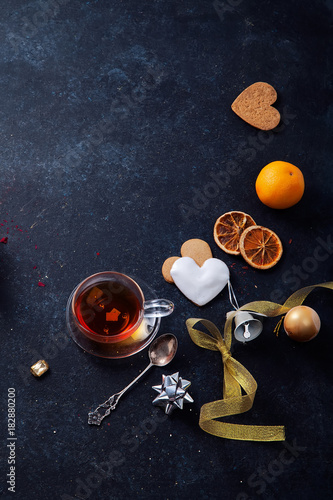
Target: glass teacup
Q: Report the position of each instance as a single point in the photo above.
(110, 307)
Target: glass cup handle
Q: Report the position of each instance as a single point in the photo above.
(157, 308)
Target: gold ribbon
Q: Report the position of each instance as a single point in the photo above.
(236, 376)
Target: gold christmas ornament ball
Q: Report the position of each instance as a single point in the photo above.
(301, 323)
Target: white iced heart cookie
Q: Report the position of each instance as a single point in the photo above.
(200, 284)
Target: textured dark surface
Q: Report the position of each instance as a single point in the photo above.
(116, 137)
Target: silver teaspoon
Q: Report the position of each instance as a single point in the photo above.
(160, 353)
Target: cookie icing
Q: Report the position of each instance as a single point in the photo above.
(200, 284)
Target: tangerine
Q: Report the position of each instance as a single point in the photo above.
(280, 185)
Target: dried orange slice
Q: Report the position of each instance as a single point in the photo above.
(228, 229)
(260, 247)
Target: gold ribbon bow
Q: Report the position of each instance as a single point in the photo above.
(236, 376)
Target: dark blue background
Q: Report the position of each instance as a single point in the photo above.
(114, 121)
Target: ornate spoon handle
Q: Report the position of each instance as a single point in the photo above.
(95, 417)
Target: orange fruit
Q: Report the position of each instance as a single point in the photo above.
(260, 247)
(280, 185)
(228, 229)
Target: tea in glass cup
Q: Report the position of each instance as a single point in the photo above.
(110, 307)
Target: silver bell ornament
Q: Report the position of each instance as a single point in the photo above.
(247, 327)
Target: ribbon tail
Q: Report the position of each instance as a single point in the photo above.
(236, 431)
(210, 412)
(298, 297)
(231, 388)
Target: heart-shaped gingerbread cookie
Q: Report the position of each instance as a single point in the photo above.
(197, 249)
(196, 273)
(200, 284)
(254, 106)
